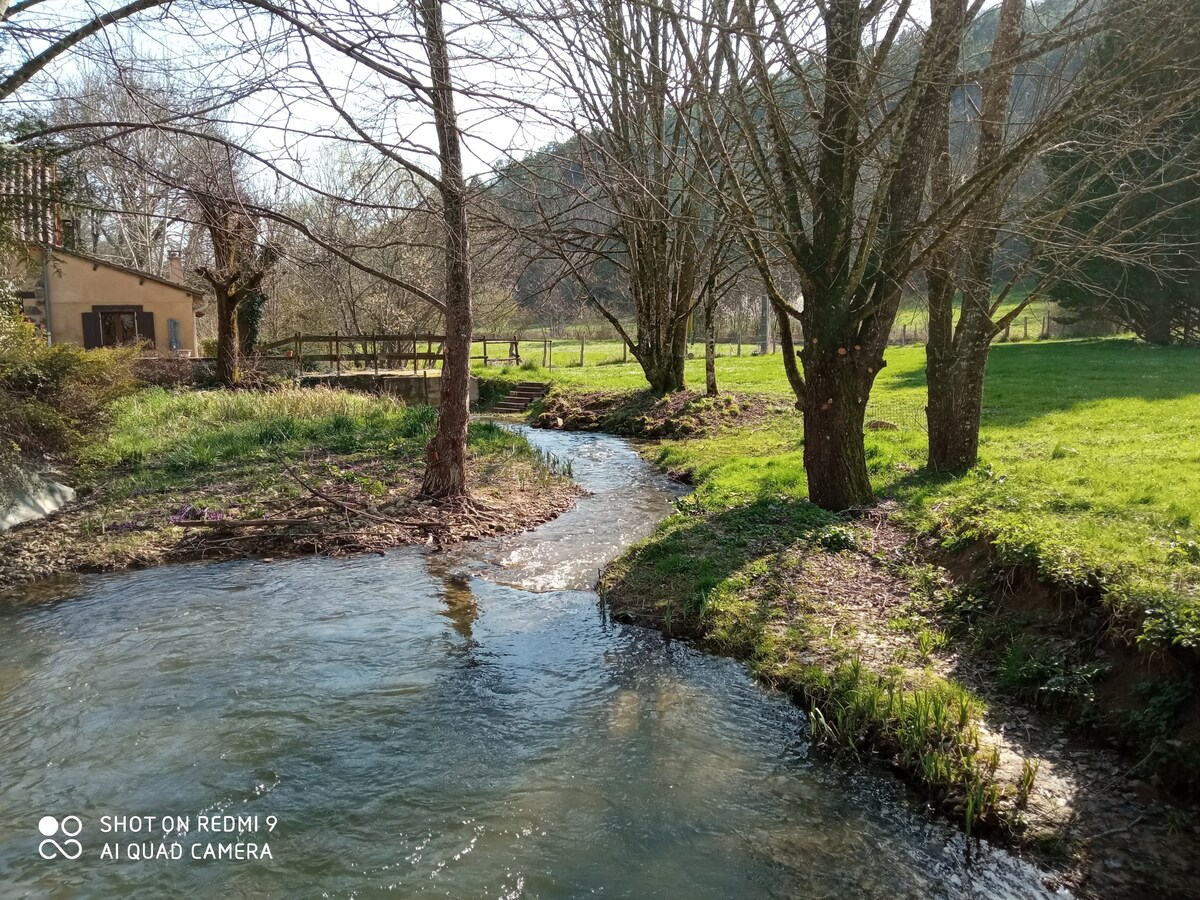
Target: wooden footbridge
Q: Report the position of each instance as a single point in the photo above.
(385, 352)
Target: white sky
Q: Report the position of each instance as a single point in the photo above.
(219, 49)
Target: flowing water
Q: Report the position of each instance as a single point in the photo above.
(460, 725)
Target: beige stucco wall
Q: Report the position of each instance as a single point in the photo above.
(77, 284)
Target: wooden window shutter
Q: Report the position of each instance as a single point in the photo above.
(145, 327)
(91, 331)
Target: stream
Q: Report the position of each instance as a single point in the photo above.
(463, 725)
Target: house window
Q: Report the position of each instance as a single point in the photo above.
(118, 327)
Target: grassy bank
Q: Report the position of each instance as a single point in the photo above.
(1052, 592)
(1091, 469)
(213, 474)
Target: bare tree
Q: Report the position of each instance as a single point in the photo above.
(1034, 95)
(826, 169)
(400, 64)
(636, 168)
(446, 457)
(240, 263)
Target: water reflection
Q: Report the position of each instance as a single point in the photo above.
(461, 607)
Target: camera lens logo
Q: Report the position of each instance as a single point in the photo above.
(69, 827)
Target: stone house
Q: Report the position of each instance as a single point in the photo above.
(77, 298)
(80, 299)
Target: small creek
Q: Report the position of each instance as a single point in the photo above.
(462, 725)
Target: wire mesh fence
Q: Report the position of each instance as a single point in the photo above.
(896, 415)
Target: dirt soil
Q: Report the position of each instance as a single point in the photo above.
(331, 505)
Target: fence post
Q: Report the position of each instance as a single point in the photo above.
(544, 354)
(739, 345)
(1025, 322)
(516, 349)
(337, 344)
(581, 353)
(624, 352)
(903, 335)
(375, 353)
(485, 362)
(299, 355)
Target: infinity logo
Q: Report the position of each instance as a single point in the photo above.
(70, 826)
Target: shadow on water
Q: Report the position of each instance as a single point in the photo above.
(461, 607)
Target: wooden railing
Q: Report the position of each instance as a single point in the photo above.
(385, 351)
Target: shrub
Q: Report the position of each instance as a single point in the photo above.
(53, 397)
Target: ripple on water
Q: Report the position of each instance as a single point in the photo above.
(464, 725)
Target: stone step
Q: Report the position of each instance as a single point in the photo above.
(520, 397)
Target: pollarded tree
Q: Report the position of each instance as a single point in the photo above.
(831, 115)
(1030, 115)
(640, 188)
(240, 263)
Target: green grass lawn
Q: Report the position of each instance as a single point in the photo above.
(171, 439)
(1090, 455)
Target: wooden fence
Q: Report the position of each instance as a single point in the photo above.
(385, 351)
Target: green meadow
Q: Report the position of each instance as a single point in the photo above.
(1090, 461)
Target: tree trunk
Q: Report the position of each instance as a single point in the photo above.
(666, 377)
(227, 345)
(446, 456)
(662, 357)
(954, 408)
(956, 354)
(1157, 329)
(710, 345)
(248, 318)
(835, 458)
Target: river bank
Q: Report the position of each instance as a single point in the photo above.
(1006, 700)
(468, 723)
(217, 475)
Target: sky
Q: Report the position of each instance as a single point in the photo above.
(506, 105)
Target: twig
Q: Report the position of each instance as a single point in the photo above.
(1112, 831)
(346, 507)
(240, 523)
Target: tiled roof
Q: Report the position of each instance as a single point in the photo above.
(28, 205)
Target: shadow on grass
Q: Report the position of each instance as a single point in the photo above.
(669, 578)
(1028, 380)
